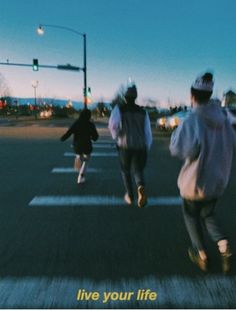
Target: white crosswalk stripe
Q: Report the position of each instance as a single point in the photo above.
(62, 170)
(109, 146)
(104, 141)
(97, 201)
(94, 154)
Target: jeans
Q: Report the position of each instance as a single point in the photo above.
(132, 159)
(199, 215)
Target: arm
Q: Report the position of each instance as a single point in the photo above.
(70, 131)
(115, 122)
(184, 141)
(66, 135)
(148, 131)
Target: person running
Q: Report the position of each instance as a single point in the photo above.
(129, 124)
(206, 142)
(84, 131)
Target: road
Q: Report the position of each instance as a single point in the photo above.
(57, 238)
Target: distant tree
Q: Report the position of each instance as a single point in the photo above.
(101, 109)
(5, 98)
(4, 89)
(119, 97)
(230, 98)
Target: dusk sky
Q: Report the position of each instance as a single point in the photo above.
(161, 44)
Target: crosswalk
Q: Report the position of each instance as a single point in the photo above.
(176, 291)
(94, 200)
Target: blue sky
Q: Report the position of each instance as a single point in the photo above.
(162, 44)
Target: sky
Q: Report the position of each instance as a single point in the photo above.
(163, 45)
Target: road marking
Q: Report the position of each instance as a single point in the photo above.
(217, 292)
(94, 154)
(63, 170)
(104, 146)
(97, 201)
(104, 142)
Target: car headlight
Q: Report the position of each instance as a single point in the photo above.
(172, 122)
(161, 122)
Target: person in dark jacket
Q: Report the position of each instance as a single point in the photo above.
(84, 131)
(129, 124)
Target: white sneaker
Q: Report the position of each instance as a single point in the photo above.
(81, 179)
(128, 199)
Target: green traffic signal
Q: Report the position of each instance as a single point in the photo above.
(88, 92)
(35, 64)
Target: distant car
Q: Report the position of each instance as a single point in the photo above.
(45, 114)
(161, 123)
(171, 122)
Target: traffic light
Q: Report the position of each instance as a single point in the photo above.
(89, 93)
(35, 64)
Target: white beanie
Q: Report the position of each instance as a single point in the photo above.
(204, 83)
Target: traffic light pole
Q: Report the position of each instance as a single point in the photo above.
(63, 67)
(40, 31)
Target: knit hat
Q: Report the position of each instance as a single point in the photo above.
(204, 83)
(131, 92)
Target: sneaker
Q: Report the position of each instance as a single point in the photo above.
(197, 260)
(225, 260)
(128, 199)
(142, 198)
(81, 179)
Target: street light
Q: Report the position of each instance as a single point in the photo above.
(40, 31)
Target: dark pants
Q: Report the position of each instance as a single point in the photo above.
(199, 215)
(135, 160)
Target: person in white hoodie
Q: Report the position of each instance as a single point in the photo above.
(206, 142)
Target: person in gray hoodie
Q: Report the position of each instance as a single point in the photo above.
(206, 142)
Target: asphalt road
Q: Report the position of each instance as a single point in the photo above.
(50, 252)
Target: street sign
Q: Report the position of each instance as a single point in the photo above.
(68, 67)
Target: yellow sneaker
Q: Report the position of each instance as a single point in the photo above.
(142, 197)
(197, 260)
(226, 260)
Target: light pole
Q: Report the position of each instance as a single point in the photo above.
(40, 31)
(35, 85)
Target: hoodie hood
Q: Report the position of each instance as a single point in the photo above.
(212, 114)
(85, 116)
